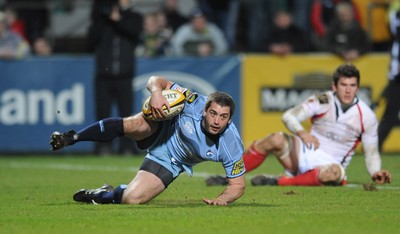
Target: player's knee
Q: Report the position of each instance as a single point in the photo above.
(332, 174)
(275, 140)
(134, 199)
(280, 143)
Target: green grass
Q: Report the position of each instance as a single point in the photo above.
(36, 197)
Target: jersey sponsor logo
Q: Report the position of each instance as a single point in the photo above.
(190, 96)
(189, 128)
(209, 154)
(238, 167)
(322, 98)
(102, 129)
(173, 160)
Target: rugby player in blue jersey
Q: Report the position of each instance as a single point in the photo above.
(203, 131)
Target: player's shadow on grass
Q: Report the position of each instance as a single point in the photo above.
(170, 204)
(199, 203)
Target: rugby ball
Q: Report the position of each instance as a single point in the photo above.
(176, 101)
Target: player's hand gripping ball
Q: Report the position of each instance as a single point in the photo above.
(176, 101)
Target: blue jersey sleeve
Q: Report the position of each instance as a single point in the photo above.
(232, 159)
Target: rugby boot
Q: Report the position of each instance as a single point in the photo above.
(60, 140)
(264, 180)
(89, 195)
(216, 180)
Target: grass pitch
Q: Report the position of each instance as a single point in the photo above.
(36, 197)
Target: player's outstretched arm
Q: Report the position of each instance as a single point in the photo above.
(373, 163)
(232, 192)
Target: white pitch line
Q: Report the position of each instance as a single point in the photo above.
(77, 167)
(377, 186)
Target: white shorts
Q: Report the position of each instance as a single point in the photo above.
(310, 158)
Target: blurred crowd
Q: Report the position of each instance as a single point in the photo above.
(347, 28)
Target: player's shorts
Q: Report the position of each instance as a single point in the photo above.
(160, 153)
(147, 142)
(158, 170)
(310, 158)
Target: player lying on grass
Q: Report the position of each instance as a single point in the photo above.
(340, 120)
(203, 131)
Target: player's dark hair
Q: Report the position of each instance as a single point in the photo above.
(346, 70)
(222, 99)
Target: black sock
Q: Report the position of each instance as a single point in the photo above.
(118, 192)
(103, 198)
(114, 197)
(102, 131)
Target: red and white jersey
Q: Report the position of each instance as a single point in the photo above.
(338, 131)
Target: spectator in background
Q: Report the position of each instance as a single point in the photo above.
(42, 47)
(36, 16)
(256, 19)
(114, 35)
(323, 14)
(199, 38)
(254, 24)
(391, 116)
(224, 14)
(155, 37)
(14, 23)
(345, 37)
(375, 21)
(285, 37)
(165, 32)
(12, 45)
(300, 11)
(174, 18)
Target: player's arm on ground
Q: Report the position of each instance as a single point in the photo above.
(232, 192)
(373, 163)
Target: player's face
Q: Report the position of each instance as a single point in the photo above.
(346, 89)
(216, 118)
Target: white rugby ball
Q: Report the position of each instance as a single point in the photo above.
(176, 101)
